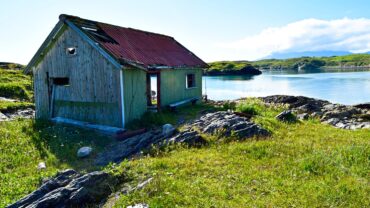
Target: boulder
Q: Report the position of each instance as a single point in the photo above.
(84, 152)
(337, 115)
(189, 137)
(70, 189)
(3, 117)
(303, 116)
(168, 130)
(363, 106)
(41, 166)
(286, 116)
(225, 123)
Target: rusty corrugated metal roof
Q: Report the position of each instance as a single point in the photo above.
(150, 50)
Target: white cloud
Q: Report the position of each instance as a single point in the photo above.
(306, 35)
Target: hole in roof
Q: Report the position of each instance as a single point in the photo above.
(99, 35)
(89, 28)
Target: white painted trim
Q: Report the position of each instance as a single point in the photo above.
(122, 98)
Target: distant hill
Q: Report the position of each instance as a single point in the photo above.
(302, 63)
(9, 65)
(286, 55)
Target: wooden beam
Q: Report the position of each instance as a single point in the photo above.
(106, 130)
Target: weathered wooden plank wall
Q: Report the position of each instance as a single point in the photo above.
(93, 93)
(173, 85)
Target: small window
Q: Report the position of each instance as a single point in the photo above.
(64, 81)
(190, 80)
(71, 51)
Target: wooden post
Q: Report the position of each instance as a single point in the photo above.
(159, 90)
(148, 90)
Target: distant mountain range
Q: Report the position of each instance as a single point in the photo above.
(286, 55)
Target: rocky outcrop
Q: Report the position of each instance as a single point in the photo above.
(70, 189)
(220, 123)
(225, 123)
(286, 116)
(247, 70)
(339, 116)
(21, 113)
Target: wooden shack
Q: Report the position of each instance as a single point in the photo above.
(100, 73)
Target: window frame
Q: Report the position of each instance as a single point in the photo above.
(193, 81)
(61, 81)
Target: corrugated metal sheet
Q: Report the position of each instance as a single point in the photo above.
(141, 47)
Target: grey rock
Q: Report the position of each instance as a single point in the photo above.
(22, 113)
(69, 189)
(337, 115)
(143, 184)
(84, 152)
(168, 130)
(286, 116)
(227, 123)
(7, 99)
(189, 137)
(363, 106)
(139, 206)
(41, 166)
(303, 116)
(3, 117)
(222, 122)
(332, 121)
(317, 114)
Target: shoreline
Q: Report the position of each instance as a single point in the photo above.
(338, 115)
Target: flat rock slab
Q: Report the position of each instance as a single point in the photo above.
(220, 123)
(7, 99)
(21, 113)
(69, 189)
(337, 115)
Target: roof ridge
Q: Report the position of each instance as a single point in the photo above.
(72, 17)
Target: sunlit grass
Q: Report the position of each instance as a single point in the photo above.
(306, 164)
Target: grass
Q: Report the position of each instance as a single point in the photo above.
(25, 143)
(184, 113)
(251, 106)
(15, 84)
(306, 164)
(6, 106)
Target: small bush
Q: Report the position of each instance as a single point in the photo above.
(229, 105)
(250, 106)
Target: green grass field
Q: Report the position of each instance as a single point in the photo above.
(15, 84)
(306, 164)
(25, 143)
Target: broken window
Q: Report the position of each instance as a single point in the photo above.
(190, 80)
(71, 51)
(64, 81)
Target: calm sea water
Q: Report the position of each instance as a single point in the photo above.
(337, 87)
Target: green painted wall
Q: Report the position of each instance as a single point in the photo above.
(134, 93)
(173, 85)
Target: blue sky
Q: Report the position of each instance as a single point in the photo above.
(214, 30)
